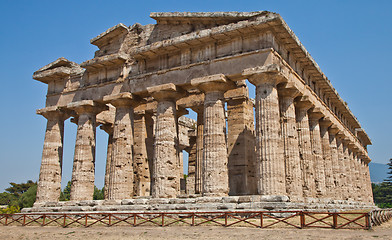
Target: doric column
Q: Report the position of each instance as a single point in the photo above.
(317, 151)
(215, 172)
(241, 145)
(199, 150)
(269, 152)
(49, 184)
(183, 142)
(302, 105)
(348, 169)
(121, 169)
(335, 162)
(191, 150)
(287, 94)
(108, 128)
(142, 157)
(165, 178)
(327, 158)
(82, 186)
(368, 184)
(342, 166)
(352, 172)
(356, 170)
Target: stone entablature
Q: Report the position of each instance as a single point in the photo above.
(143, 78)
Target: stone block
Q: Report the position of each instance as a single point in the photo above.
(127, 202)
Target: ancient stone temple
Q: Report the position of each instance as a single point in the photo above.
(296, 143)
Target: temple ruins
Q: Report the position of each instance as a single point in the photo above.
(295, 144)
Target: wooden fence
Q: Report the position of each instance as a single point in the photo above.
(258, 219)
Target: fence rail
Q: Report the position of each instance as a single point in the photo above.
(259, 219)
(377, 217)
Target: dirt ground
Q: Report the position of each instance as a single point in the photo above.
(181, 232)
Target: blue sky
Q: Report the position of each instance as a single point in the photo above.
(350, 40)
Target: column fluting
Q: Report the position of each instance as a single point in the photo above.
(83, 172)
(290, 142)
(317, 152)
(215, 157)
(121, 170)
(108, 128)
(165, 177)
(302, 105)
(327, 158)
(335, 162)
(49, 183)
(269, 152)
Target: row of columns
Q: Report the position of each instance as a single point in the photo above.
(294, 143)
(298, 152)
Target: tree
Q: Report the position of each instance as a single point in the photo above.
(18, 189)
(382, 193)
(28, 198)
(8, 199)
(66, 193)
(389, 178)
(98, 194)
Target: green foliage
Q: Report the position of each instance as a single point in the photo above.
(382, 193)
(28, 198)
(389, 178)
(18, 189)
(19, 195)
(10, 210)
(8, 199)
(66, 193)
(98, 194)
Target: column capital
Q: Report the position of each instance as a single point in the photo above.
(333, 129)
(181, 111)
(199, 109)
(303, 103)
(53, 112)
(315, 114)
(107, 127)
(325, 122)
(213, 83)
(271, 74)
(124, 99)
(288, 90)
(87, 106)
(166, 92)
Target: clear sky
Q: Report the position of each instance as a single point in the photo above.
(350, 40)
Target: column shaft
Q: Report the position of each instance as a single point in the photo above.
(337, 193)
(49, 184)
(109, 130)
(368, 186)
(190, 180)
(82, 187)
(142, 157)
(166, 182)
(317, 152)
(269, 155)
(347, 172)
(305, 151)
(241, 147)
(121, 169)
(215, 172)
(342, 170)
(199, 153)
(327, 159)
(290, 143)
